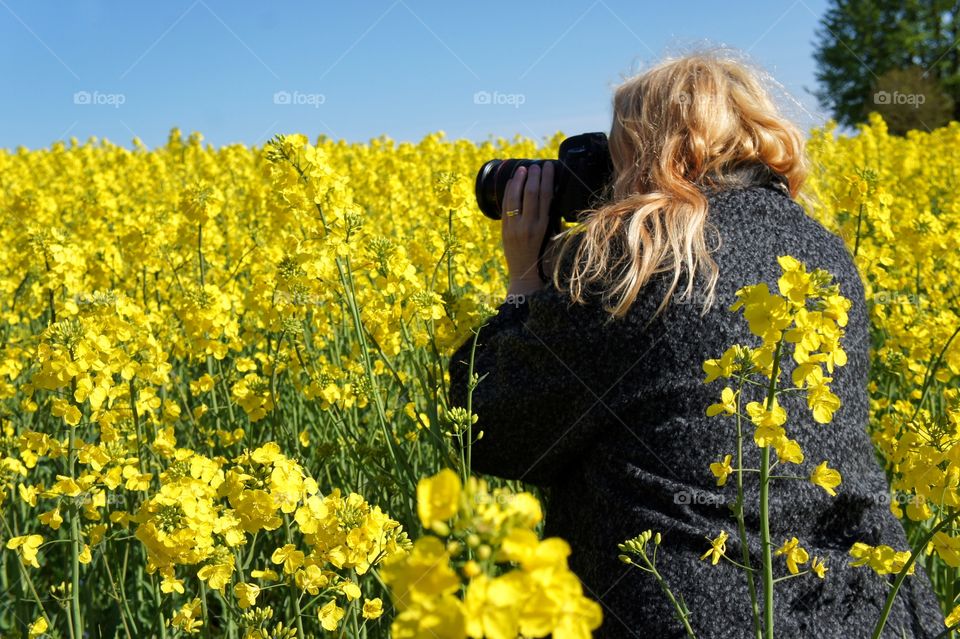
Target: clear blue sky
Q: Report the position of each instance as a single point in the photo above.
(241, 71)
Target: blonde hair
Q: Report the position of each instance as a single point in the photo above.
(697, 122)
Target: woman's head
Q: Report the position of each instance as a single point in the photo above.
(689, 119)
(687, 125)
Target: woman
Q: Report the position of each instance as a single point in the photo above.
(594, 384)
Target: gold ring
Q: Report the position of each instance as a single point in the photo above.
(513, 212)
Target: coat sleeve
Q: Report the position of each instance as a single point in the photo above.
(536, 403)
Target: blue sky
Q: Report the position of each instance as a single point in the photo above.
(242, 71)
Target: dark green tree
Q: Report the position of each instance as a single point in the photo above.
(859, 43)
(910, 99)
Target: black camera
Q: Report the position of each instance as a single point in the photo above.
(582, 175)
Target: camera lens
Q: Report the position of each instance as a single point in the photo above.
(486, 189)
(492, 183)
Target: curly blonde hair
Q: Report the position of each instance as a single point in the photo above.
(687, 125)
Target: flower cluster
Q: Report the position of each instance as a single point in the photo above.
(202, 347)
(808, 313)
(484, 545)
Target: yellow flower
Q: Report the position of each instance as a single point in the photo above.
(492, 605)
(37, 628)
(953, 618)
(728, 403)
(170, 583)
(28, 494)
(794, 553)
(766, 314)
(351, 590)
(246, 594)
(217, 574)
(62, 408)
(442, 616)
(438, 497)
(330, 615)
(186, 618)
(718, 547)
(795, 283)
(311, 579)
(883, 559)
(788, 450)
(372, 608)
(826, 478)
(722, 469)
(289, 556)
(948, 547)
(52, 518)
(26, 546)
(203, 384)
(818, 567)
(423, 574)
(266, 574)
(821, 401)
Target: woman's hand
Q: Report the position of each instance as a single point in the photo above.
(528, 193)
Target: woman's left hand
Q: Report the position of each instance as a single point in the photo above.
(529, 194)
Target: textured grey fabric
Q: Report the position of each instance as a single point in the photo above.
(609, 417)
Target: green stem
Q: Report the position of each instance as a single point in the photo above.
(682, 613)
(856, 244)
(141, 464)
(293, 587)
(903, 573)
(742, 527)
(765, 544)
(203, 604)
(469, 407)
(74, 533)
(25, 574)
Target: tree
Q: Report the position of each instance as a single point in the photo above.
(860, 42)
(910, 99)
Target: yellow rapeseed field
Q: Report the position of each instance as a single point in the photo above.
(224, 394)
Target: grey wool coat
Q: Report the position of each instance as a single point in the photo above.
(609, 419)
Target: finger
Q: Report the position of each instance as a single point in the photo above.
(546, 189)
(512, 194)
(531, 195)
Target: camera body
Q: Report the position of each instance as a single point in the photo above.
(583, 171)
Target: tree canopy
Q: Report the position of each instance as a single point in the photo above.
(898, 57)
